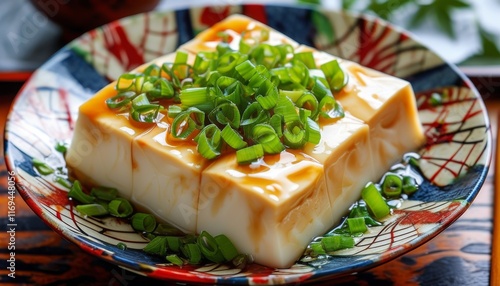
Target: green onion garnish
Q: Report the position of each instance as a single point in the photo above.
(356, 225)
(337, 242)
(120, 207)
(76, 192)
(226, 247)
(174, 243)
(409, 185)
(104, 193)
(249, 154)
(42, 167)
(209, 247)
(192, 252)
(157, 246)
(143, 222)
(63, 181)
(92, 209)
(174, 259)
(392, 185)
(61, 147)
(121, 246)
(374, 200)
(249, 89)
(317, 249)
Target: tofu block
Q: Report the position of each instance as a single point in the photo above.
(344, 153)
(166, 177)
(386, 103)
(271, 209)
(100, 152)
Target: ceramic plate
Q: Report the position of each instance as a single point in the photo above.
(454, 160)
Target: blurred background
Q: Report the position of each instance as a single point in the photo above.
(464, 32)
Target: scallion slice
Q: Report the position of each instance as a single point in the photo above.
(76, 192)
(42, 167)
(174, 259)
(143, 222)
(337, 78)
(337, 242)
(356, 225)
(233, 138)
(266, 136)
(226, 247)
(409, 185)
(209, 142)
(104, 193)
(120, 207)
(92, 209)
(192, 252)
(374, 200)
(209, 247)
(157, 246)
(249, 154)
(392, 185)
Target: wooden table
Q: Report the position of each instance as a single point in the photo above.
(458, 256)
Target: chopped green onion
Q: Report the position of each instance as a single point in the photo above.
(226, 113)
(120, 207)
(265, 135)
(317, 249)
(226, 247)
(209, 142)
(361, 211)
(307, 58)
(42, 167)
(409, 185)
(241, 260)
(121, 246)
(337, 242)
(92, 209)
(313, 133)
(198, 97)
(120, 100)
(257, 85)
(61, 147)
(157, 246)
(125, 82)
(192, 252)
(104, 193)
(436, 99)
(76, 192)
(209, 247)
(174, 243)
(294, 135)
(143, 111)
(356, 225)
(336, 77)
(309, 102)
(233, 138)
(174, 259)
(392, 185)
(249, 154)
(330, 108)
(143, 222)
(374, 200)
(63, 182)
(186, 122)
